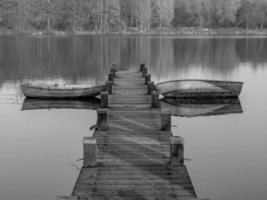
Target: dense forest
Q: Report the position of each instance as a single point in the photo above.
(105, 16)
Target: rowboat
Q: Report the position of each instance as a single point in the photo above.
(49, 91)
(194, 88)
(37, 104)
(185, 107)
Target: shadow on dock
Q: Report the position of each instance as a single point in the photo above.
(134, 166)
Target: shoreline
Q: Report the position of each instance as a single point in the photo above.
(179, 32)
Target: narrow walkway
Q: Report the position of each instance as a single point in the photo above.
(133, 154)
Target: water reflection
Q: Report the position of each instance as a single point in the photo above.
(10, 93)
(220, 162)
(88, 58)
(201, 107)
(36, 104)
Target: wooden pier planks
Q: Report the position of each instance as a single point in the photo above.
(133, 154)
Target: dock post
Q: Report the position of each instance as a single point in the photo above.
(102, 119)
(111, 78)
(113, 69)
(104, 99)
(150, 87)
(109, 87)
(114, 66)
(147, 78)
(165, 120)
(154, 99)
(89, 152)
(142, 66)
(176, 151)
(144, 72)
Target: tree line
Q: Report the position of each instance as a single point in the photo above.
(103, 16)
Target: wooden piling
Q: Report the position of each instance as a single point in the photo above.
(147, 78)
(113, 69)
(109, 87)
(144, 72)
(102, 119)
(165, 120)
(89, 152)
(115, 66)
(176, 151)
(111, 78)
(154, 99)
(142, 66)
(104, 99)
(150, 87)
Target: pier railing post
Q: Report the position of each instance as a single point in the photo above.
(176, 151)
(89, 152)
(150, 87)
(104, 99)
(154, 99)
(109, 87)
(101, 124)
(147, 78)
(111, 78)
(165, 120)
(142, 66)
(144, 72)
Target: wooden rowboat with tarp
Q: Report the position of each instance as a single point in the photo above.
(194, 88)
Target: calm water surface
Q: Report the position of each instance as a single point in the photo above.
(39, 149)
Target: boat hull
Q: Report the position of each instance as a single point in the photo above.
(199, 89)
(53, 92)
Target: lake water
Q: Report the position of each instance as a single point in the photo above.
(39, 149)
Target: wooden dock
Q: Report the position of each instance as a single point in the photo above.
(132, 154)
